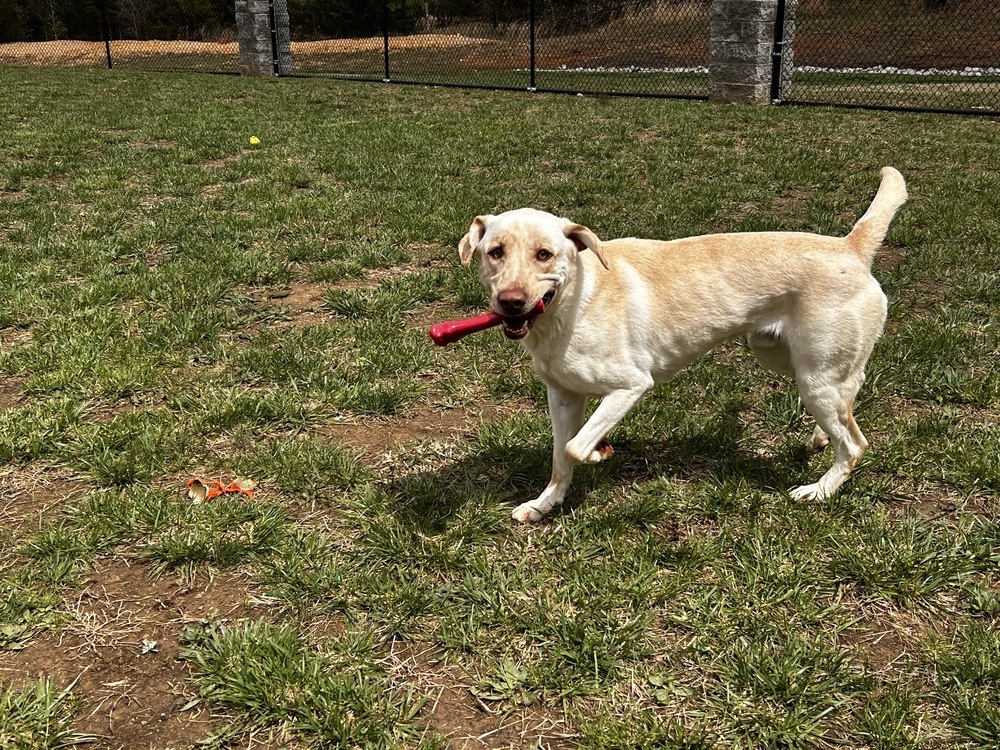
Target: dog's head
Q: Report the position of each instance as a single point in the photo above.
(525, 256)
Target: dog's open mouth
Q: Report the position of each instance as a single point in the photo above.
(517, 327)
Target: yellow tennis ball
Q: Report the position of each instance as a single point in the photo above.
(254, 140)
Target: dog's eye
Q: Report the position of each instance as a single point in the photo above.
(543, 255)
(495, 252)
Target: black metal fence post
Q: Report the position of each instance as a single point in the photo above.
(272, 22)
(385, 38)
(105, 31)
(531, 33)
(777, 52)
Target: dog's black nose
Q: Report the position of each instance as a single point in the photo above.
(512, 301)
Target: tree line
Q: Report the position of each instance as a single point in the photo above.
(214, 20)
(210, 20)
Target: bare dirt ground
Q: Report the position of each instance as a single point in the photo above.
(90, 54)
(118, 650)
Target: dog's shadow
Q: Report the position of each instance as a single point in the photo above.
(510, 474)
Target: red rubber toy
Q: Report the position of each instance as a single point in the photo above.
(450, 331)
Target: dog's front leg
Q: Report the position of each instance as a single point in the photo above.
(583, 449)
(566, 411)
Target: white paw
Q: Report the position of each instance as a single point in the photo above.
(807, 492)
(525, 513)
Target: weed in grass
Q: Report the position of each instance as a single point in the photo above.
(222, 533)
(60, 552)
(777, 693)
(132, 448)
(242, 411)
(607, 729)
(279, 356)
(337, 696)
(316, 575)
(39, 718)
(970, 657)
(506, 682)
(306, 468)
(25, 605)
(975, 715)
(392, 299)
(38, 430)
(890, 719)
(906, 562)
(981, 599)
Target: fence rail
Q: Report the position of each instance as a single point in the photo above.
(939, 55)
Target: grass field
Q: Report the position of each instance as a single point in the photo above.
(175, 302)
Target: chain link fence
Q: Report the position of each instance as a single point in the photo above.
(924, 54)
(912, 54)
(636, 47)
(159, 35)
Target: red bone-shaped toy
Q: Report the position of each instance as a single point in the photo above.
(451, 331)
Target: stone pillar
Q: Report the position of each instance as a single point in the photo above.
(253, 29)
(741, 47)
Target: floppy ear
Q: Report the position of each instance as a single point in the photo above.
(584, 239)
(469, 242)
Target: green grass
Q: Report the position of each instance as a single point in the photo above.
(175, 302)
(38, 718)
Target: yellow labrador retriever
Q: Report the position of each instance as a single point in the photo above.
(631, 313)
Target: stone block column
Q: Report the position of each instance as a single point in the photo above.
(742, 42)
(254, 33)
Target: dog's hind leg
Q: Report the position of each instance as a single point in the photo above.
(830, 361)
(832, 408)
(773, 354)
(566, 411)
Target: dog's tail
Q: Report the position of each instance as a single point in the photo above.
(867, 235)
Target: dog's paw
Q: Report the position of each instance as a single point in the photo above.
(807, 492)
(525, 513)
(818, 442)
(601, 452)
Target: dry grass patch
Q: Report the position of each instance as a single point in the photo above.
(32, 492)
(119, 647)
(466, 721)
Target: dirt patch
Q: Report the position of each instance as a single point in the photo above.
(10, 393)
(225, 161)
(454, 710)
(940, 501)
(886, 640)
(89, 54)
(302, 297)
(121, 648)
(304, 301)
(28, 494)
(420, 424)
(889, 258)
(12, 337)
